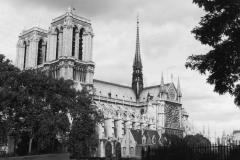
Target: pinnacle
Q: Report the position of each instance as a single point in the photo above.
(69, 9)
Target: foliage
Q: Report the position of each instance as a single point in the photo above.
(37, 107)
(219, 29)
(189, 140)
(196, 140)
(83, 137)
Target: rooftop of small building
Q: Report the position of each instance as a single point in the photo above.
(138, 134)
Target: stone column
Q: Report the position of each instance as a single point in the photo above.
(64, 41)
(108, 127)
(119, 128)
(136, 125)
(88, 47)
(77, 44)
(27, 55)
(20, 58)
(17, 58)
(100, 130)
(161, 116)
(84, 55)
(34, 52)
(127, 125)
(68, 41)
(43, 52)
(48, 47)
(91, 48)
(54, 46)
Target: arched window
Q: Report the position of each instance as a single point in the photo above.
(143, 139)
(153, 139)
(132, 151)
(25, 54)
(74, 40)
(57, 43)
(81, 44)
(45, 58)
(124, 150)
(40, 52)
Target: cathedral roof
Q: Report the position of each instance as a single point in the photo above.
(154, 91)
(117, 91)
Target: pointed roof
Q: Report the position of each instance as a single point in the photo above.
(179, 89)
(137, 60)
(162, 81)
(69, 9)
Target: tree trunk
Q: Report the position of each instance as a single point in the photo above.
(30, 145)
(14, 145)
(53, 146)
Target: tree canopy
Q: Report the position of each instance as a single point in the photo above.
(39, 107)
(219, 29)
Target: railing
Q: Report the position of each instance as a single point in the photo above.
(193, 152)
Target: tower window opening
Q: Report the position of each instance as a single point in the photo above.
(73, 41)
(80, 44)
(57, 44)
(25, 53)
(45, 57)
(40, 52)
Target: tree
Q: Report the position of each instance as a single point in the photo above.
(33, 104)
(219, 29)
(83, 134)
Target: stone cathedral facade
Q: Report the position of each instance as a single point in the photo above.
(134, 116)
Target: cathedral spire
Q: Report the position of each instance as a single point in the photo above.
(137, 77)
(137, 60)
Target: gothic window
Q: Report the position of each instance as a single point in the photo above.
(81, 44)
(45, 58)
(57, 43)
(25, 53)
(40, 51)
(124, 150)
(74, 40)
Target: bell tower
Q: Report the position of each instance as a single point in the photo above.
(65, 49)
(137, 76)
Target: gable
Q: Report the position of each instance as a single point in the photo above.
(172, 92)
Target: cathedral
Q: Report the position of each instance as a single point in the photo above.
(134, 116)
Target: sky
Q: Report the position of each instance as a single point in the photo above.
(166, 43)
